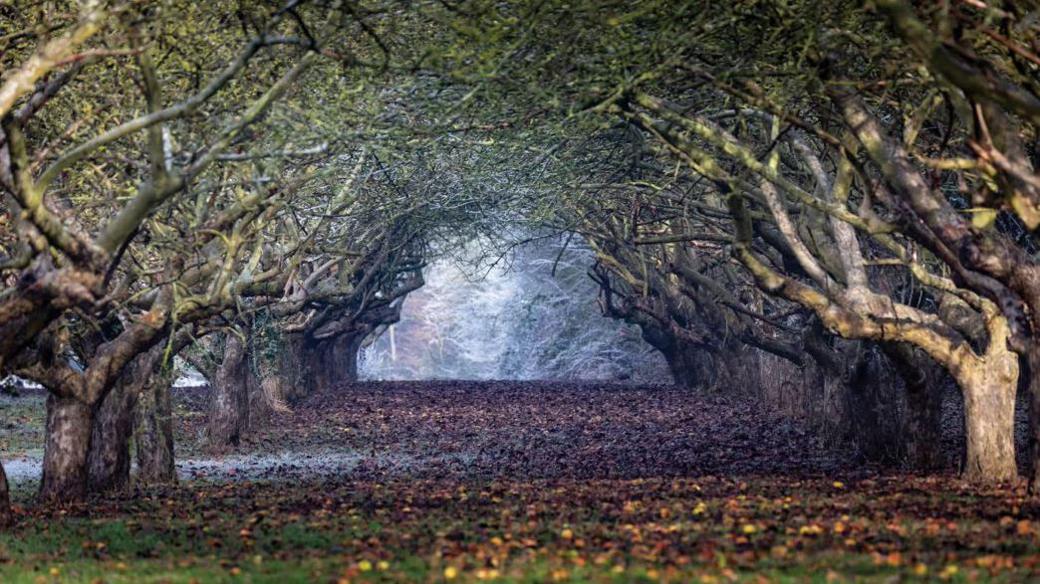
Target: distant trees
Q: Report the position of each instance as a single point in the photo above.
(498, 310)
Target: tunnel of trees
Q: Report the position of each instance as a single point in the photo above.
(842, 223)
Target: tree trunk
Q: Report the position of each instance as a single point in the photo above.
(153, 431)
(229, 405)
(923, 382)
(1032, 363)
(108, 463)
(989, 419)
(738, 369)
(923, 426)
(65, 453)
(869, 408)
(691, 367)
(331, 363)
(6, 516)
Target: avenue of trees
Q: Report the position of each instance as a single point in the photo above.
(826, 202)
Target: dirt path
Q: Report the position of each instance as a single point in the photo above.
(536, 430)
(472, 430)
(483, 430)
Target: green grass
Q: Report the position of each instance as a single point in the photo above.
(503, 532)
(22, 425)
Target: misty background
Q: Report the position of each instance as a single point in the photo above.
(532, 314)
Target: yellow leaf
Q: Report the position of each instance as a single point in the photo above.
(451, 572)
(982, 217)
(810, 530)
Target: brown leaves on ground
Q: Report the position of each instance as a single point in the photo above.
(673, 529)
(547, 430)
(555, 482)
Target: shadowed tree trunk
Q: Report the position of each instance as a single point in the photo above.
(1032, 363)
(923, 382)
(6, 516)
(153, 431)
(229, 404)
(691, 367)
(69, 423)
(872, 407)
(330, 363)
(1032, 369)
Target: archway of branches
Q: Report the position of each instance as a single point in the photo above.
(823, 229)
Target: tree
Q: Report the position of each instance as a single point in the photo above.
(89, 292)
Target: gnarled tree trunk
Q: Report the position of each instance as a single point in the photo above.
(692, 369)
(871, 407)
(109, 460)
(229, 404)
(288, 369)
(691, 366)
(738, 369)
(153, 431)
(69, 423)
(1032, 369)
(989, 418)
(108, 463)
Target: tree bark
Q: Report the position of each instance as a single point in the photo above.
(989, 420)
(923, 383)
(331, 363)
(875, 428)
(693, 368)
(109, 459)
(65, 454)
(153, 431)
(229, 405)
(737, 369)
(6, 516)
(108, 462)
(1032, 363)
